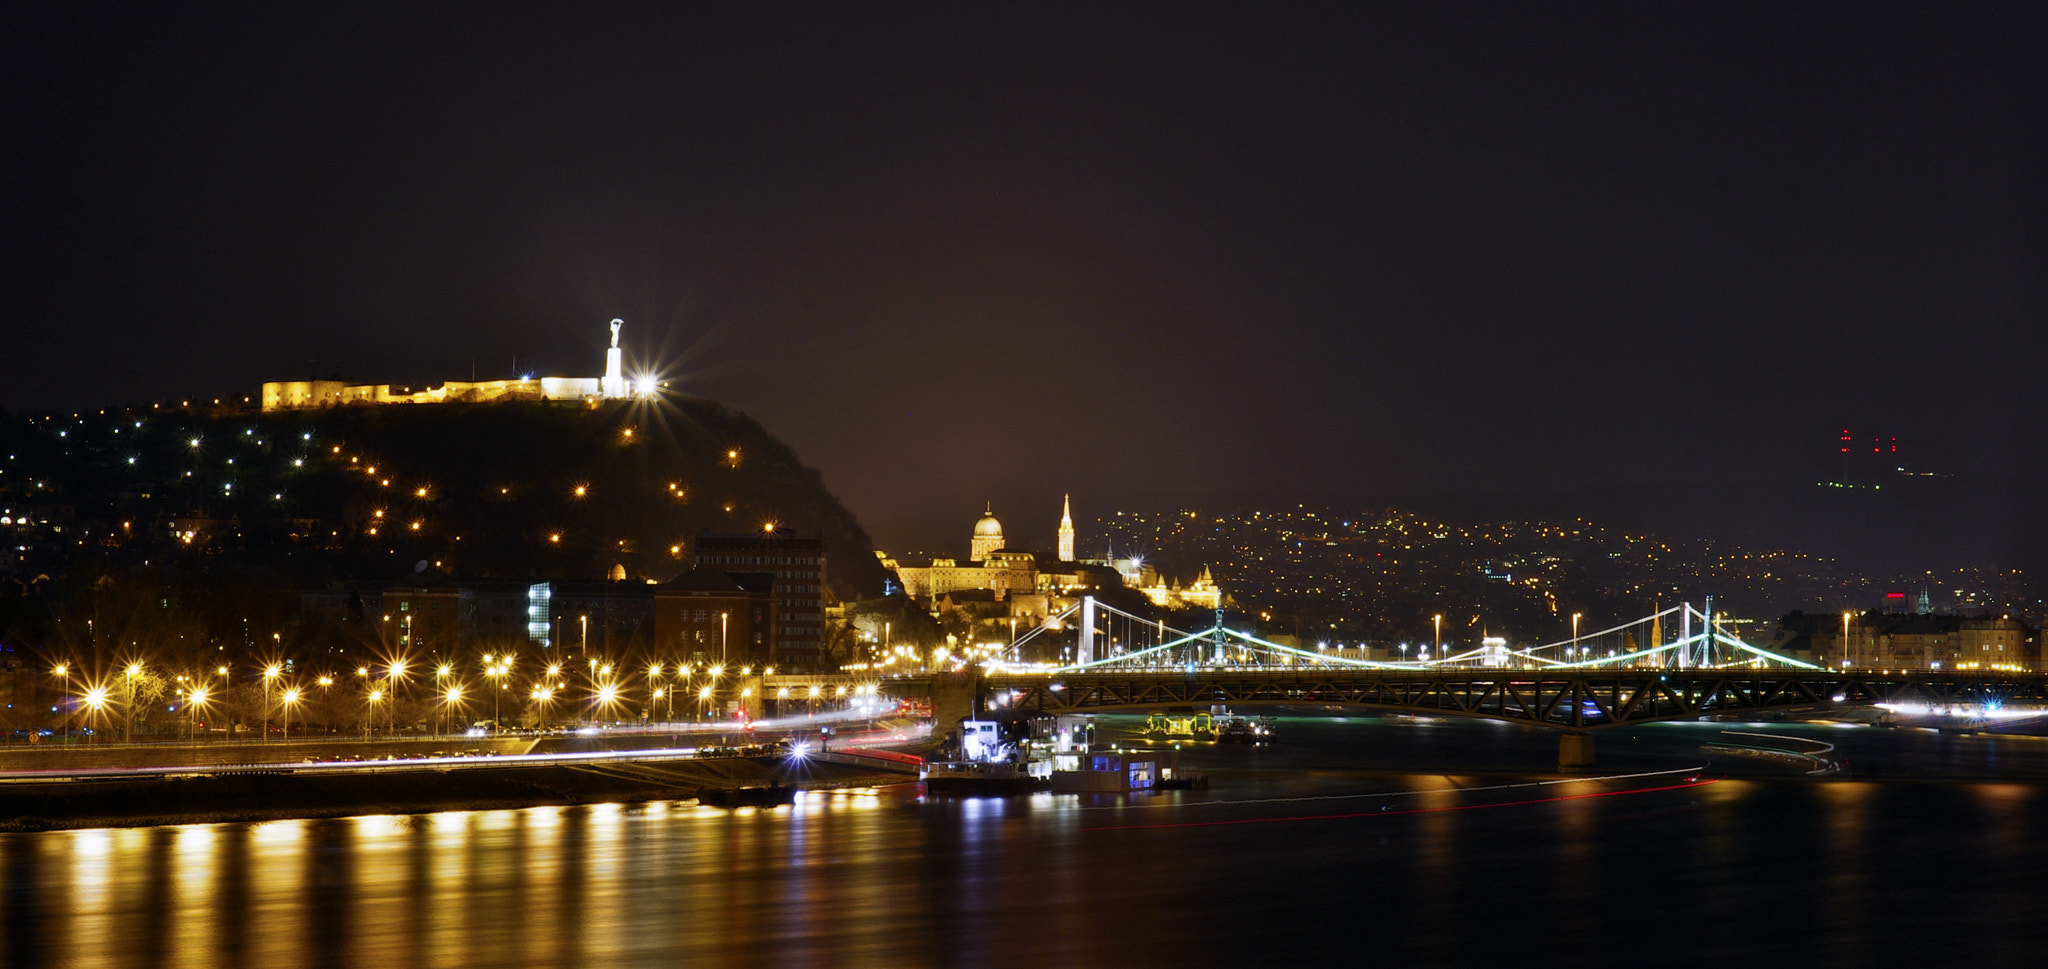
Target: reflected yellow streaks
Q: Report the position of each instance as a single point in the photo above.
(195, 873)
(87, 857)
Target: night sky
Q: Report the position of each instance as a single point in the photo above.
(1644, 257)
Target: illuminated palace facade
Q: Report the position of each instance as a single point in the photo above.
(311, 394)
(994, 572)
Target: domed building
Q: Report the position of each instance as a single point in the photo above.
(988, 537)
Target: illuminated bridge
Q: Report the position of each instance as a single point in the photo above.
(1702, 672)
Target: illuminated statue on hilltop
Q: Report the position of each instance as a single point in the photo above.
(614, 383)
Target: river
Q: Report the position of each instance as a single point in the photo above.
(1346, 843)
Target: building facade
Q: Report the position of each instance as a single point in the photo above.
(797, 562)
(705, 617)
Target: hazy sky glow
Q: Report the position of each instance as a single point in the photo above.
(956, 253)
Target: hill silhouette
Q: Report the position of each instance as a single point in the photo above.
(512, 490)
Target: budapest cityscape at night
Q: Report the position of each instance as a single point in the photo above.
(1025, 484)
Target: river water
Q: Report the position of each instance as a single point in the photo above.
(1344, 844)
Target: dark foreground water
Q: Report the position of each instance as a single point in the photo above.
(1932, 852)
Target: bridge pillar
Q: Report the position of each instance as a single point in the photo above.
(955, 697)
(1574, 752)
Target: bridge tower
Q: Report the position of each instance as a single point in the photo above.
(1707, 643)
(1218, 638)
(1084, 650)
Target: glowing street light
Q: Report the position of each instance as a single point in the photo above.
(290, 698)
(194, 700)
(96, 701)
(370, 711)
(397, 680)
(128, 723)
(441, 673)
(451, 697)
(60, 671)
(542, 697)
(497, 674)
(654, 690)
(270, 674)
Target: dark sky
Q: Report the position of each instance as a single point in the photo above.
(966, 252)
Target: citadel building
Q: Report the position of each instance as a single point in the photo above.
(313, 394)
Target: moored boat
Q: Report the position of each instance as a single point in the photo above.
(989, 757)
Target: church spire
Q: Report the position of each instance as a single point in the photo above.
(1067, 529)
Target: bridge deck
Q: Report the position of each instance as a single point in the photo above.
(1584, 699)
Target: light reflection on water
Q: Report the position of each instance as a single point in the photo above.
(1455, 867)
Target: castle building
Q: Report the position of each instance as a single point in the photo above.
(313, 394)
(1034, 588)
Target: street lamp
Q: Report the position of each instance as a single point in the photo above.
(1439, 648)
(326, 711)
(128, 723)
(497, 673)
(270, 673)
(453, 694)
(96, 700)
(541, 696)
(370, 711)
(440, 674)
(397, 680)
(194, 700)
(653, 691)
(290, 697)
(59, 671)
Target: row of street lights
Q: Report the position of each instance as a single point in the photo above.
(385, 683)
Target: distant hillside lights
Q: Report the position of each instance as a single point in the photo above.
(314, 394)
